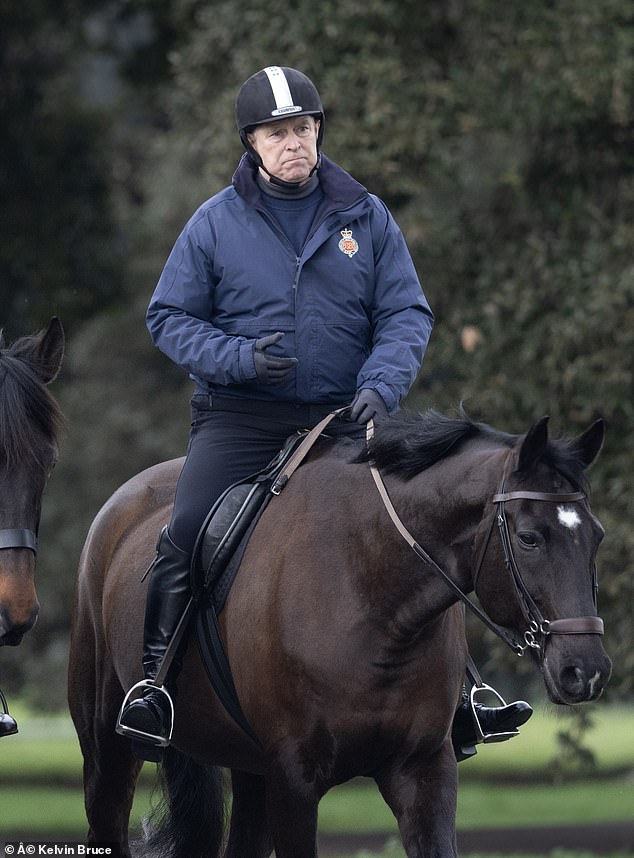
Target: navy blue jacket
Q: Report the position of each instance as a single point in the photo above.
(350, 306)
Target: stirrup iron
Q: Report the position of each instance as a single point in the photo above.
(8, 725)
(136, 692)
(481, 735)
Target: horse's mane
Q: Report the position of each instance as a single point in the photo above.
(27, 409)
(408, 443)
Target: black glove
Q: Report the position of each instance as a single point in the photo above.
(270, 369)
(367, 405)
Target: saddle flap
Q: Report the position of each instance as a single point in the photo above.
(229, 521)
(222, 525)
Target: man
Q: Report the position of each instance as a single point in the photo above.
(287, 295)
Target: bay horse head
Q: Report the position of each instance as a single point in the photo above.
(539, 580)
(29, 422)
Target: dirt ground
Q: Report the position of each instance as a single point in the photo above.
(598, 839)
(595, 839)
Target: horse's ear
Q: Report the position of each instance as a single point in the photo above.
(51, 351)
(533, 446)
(588, 444)
(44, 351)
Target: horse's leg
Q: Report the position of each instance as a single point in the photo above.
(110, 775)
(422, 795)
(110, 769)
(292, 813)
(249, 832)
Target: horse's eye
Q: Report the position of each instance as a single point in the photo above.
(528, 539)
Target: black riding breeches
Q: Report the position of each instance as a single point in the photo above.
(229, 441)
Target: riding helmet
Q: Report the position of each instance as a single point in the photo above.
(276, 92)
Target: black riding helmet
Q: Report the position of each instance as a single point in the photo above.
(276, 92)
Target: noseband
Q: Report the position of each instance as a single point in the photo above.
(539, 628)
(20, 537)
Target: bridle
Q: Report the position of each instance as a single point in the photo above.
(18, 537)
(538, 627)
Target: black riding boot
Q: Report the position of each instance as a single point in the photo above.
(495, 724)
(8, 725)
(148, 719)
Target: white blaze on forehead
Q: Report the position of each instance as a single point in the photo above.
(568, 516)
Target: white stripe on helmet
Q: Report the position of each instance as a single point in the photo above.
(281, 92)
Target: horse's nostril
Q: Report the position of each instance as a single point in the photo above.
(573, 680)
(12, 638)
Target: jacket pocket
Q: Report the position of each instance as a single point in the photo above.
(340, 350)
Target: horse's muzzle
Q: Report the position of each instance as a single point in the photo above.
(11, 633)
(576, 679)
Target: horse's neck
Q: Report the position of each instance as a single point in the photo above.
(444, 509)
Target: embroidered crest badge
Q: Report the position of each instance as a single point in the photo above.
(348, 244)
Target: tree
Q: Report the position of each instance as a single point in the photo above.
(59, 241)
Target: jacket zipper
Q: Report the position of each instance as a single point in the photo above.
(298, 266)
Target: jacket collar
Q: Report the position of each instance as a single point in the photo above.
(340, 189)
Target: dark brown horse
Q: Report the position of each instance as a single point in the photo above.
(348, 652)
(29, 420)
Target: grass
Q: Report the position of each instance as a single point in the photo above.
(359, 807)
(529, 755)
(40, 786)
(46, 749)
(49, 814)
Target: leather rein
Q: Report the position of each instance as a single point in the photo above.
(538, 627)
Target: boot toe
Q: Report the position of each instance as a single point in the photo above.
(147, 716)
(8, 725)
(503, 719)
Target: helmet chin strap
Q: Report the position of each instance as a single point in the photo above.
(275, 180)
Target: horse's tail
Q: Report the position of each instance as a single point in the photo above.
(190, 819)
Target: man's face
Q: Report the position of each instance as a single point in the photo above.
(287, 147)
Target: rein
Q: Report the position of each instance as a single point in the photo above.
(539, 628)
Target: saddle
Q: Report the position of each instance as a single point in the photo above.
(217, 555)
(225, 533)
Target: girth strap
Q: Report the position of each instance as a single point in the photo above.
(19, 537)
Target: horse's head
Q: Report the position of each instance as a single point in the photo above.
(539, 578)
(29, 419)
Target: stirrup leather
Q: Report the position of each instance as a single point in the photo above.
(136, 693)
(481, 735)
